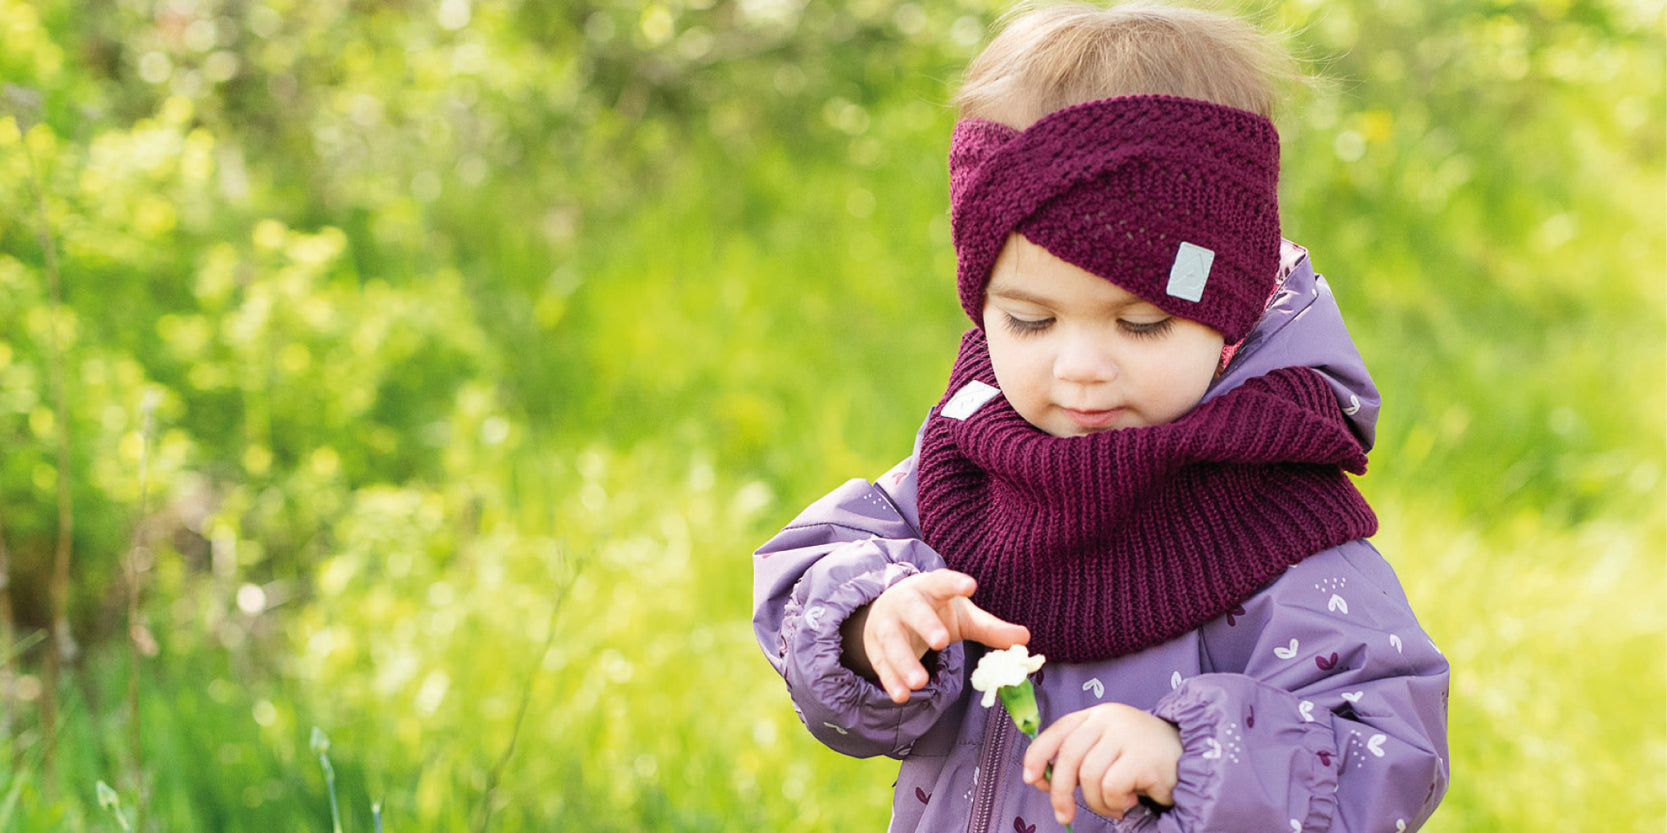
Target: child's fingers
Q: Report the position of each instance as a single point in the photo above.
(884, 674)
(1062, 744)
(1115, 789)
(1060, 791)
(1162, 792)
(894, 661)
(1143, 771)
(943, 585)
(921, 617)
(980, 625)
(1113, 752)
(1067, 766)
(1121, 784)
(891, 681)
(1046, 745)
(1098, 793)
(1111, 803)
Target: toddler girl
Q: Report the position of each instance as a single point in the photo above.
(1138, 469)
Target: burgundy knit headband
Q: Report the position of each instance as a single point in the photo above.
(1173, 199)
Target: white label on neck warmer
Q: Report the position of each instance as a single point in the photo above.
(968, 399)
(1190, 272)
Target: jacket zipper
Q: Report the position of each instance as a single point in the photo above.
(990, 768)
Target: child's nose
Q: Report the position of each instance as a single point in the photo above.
(1084, 359)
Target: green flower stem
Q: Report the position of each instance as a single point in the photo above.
(1020, 701)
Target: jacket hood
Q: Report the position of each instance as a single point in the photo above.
(1303, 327)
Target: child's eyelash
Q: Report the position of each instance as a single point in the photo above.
(1025, 326)
(1153, 329)
(1143, 329)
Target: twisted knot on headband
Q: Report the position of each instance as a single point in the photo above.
(1173, 199)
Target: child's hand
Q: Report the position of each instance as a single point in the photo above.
(1117, 753)
(927, 611)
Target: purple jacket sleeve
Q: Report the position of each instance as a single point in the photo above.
(1327, 708)
(840, 554)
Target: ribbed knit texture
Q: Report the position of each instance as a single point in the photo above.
(1115, 186)
(1107, 544)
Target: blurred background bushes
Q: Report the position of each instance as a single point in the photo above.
(486, 339)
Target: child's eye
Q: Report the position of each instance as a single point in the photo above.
(1026, 326)
(1147, 329)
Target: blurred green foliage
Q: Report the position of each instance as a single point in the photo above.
(490, 337)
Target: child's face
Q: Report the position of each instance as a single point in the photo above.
(1077, 354)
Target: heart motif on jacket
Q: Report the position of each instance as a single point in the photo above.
(1375, 744)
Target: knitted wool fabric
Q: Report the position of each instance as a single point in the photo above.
(1116, 186)
(1106, 544)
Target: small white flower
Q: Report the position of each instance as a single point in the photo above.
(1004, 668)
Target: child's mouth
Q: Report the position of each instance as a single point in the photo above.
(1093, 419)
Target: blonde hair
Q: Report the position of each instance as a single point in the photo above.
(1053, 56)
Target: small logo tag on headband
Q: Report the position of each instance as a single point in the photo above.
(1190, 272)
(968, 399)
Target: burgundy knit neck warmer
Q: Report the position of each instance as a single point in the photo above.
(1104, 545)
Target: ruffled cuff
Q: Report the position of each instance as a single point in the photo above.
(843, 710)
(1249, 760)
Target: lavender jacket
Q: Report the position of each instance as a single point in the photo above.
(1319, 704)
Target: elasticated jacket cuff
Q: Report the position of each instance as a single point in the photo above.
(846, 712)
(1242, 742)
